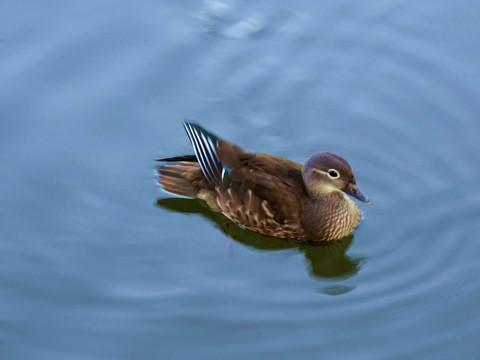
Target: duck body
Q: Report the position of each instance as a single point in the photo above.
(266, 193)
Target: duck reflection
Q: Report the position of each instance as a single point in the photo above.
(324, 260)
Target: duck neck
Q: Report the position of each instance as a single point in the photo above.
(330, 215)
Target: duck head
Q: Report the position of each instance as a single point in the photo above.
(325, 173)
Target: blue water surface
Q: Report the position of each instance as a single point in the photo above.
(97, 262)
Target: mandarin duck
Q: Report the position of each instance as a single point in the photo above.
(265, 193)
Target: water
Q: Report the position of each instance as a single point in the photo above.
(96, 262)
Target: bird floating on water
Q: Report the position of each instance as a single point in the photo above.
(266, 193)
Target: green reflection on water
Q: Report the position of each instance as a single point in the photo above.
(324, 260)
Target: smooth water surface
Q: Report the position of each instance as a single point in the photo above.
(97, 262)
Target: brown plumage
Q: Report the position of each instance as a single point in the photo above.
(266, 193)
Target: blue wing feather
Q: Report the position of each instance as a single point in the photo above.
(205, 144)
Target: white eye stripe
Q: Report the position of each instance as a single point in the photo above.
(328, 173)
(320, 171)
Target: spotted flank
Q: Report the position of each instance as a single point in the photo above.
(253, 213)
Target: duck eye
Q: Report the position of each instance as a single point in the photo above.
(333, 174)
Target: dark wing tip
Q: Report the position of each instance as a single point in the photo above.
(191, 158)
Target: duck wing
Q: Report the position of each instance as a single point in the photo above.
(251, 183)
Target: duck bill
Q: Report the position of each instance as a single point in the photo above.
(353, 191)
